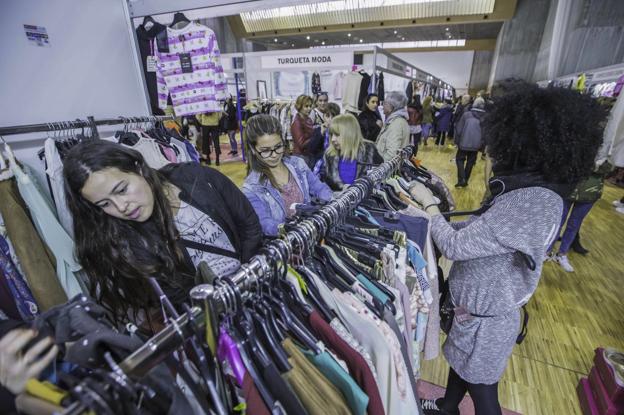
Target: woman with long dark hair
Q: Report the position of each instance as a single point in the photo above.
(132, 222)
(370, 119)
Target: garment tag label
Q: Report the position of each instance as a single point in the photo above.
(461, 314)
(151, 63)
(185, 63)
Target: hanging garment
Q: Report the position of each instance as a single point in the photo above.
(147, 46)
(358, 367)
(318, 395)
(54, 170)
(22, 295)
(365, 89)
(151, 152)
(55, 237)
(353, 394)
(337, 85)
(381, 92)
(316, 83)
(383, 346)
(35, 259)
(191, 72)
(351, 91)
(8, 305)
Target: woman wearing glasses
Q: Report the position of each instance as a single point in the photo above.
(275, 181)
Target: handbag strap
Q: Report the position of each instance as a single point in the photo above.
(209, 248)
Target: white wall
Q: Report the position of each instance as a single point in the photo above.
(90, 67)
(452, 67)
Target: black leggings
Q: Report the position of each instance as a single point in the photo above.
(485, 397)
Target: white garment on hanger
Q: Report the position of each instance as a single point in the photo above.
(54, 170)
(351, 91)
(68, 269)
(150, 150)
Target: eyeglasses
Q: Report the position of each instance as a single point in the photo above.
(278, 149)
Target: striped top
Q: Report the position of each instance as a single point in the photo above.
(195, 92)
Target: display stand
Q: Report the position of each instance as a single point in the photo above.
(386, 62)
(292, 62)
(592, 77)
(234, 64)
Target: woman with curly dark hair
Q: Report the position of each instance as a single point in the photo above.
(541, 142)
(132, 222)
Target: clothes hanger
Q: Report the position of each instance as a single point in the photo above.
(179, 21)
(146, 21)
(5, 171)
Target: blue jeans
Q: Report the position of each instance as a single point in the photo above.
(577, 211)
(426, 130)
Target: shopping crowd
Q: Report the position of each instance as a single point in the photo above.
(132, 222)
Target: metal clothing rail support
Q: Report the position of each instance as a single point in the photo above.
(78, 123)
(222, 296)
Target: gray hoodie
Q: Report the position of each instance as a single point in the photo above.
(394, 135)
(468, 136)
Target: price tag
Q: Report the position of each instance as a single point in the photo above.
(185, 63)
(151, 63)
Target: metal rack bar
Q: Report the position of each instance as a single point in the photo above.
(78, 123)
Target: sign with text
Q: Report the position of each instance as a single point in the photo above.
(37, 35)
(309, 60)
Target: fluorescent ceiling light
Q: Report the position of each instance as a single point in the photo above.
(410, 45)
(326, 7)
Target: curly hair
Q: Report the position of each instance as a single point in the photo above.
(553, 131)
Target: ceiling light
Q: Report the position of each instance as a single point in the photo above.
(275, 40)
(348, 34)
(327, 7)
(292, 45)
(395, 32)
(447, 29)
(361, 40)
(308, 37)
(402, 38)
(323, 42)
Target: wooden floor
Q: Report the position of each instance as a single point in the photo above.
(571, 313)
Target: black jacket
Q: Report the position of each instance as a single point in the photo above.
(368, 124)
(229, 121)
(211, 192)
(367, 157)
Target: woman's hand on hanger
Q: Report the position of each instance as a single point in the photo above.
(423, 196)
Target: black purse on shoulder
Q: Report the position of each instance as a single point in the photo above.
(447, 313)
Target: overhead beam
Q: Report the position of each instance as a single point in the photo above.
(503, 10)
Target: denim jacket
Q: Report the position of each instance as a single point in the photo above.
(267, 200)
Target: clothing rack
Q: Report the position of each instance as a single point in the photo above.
(90, 122)
(222, 297)
(415, 73)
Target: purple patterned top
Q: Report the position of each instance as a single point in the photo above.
(195, 92)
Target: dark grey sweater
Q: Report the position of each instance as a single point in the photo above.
(490, 277)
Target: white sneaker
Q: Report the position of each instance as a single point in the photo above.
(620, 210)
(563, 261)
(549, 257)
(618, 204)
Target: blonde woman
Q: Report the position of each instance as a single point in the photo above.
(348, 155)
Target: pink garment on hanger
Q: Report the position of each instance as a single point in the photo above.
(169, 153)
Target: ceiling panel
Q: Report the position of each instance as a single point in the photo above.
(468, 31)
(342, 12)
